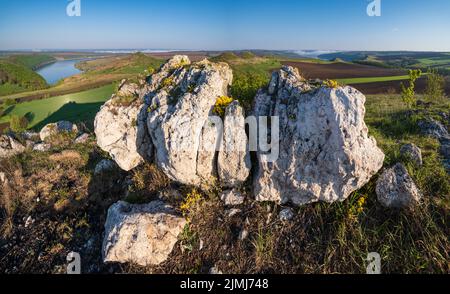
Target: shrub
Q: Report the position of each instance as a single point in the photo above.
(18, 123)
(408, 93)
(331, 84)
(435, 85)
(167, 82)
(124, 100)
(190, 202)
(245, 87)
(9, 102)
(222, 103)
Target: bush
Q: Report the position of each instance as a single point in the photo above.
(408, 93)
(18, 123)
(245, 87)
(331, 84)
(221, 104)
(435, 85)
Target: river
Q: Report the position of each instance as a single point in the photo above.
(54, 72)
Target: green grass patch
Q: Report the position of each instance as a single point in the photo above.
(353, 81)
(76, 107)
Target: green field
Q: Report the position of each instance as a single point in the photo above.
(353, 81)
(78, 107)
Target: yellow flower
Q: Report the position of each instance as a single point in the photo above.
(222, 103)
(331, 83)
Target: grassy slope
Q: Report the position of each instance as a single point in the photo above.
(31, 61)
(16, 77)
(76, 107)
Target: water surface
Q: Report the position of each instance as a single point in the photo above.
(59, 70)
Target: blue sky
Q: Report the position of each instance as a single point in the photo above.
(234, 24)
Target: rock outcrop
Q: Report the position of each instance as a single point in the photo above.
(412, 152)
(234, 157)
(325, 152)
(178, 120)
(9, 146)
(122, 132)
(56, 128)
(395, 188)
(436, 130)
(141, 234)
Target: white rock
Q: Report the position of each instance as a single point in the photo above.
(325, 152)
(56, 128)
(232, 197)
(83, 138)
(233, 211)
(29, 221)
(9, 146)
(286, 214)
(395, 188)
(243, 234)
(179, 122)
(234, 157)
(3, 178)
(215, 271)
(140, 234)
(42, 147)
(122, 132)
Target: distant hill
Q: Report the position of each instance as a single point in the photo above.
(32, 61)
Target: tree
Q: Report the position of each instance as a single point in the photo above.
(408, 93)
(435, 85)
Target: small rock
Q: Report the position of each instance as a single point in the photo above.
(433, 128)
(2, 177)
(9, 146)
(286, 214)
(56, 128)
(232, 212)
(269, 218)
(103, 166)
(29, 135)
(243, 234)
(231, 197)
(413, 152)
(83, 138)
(395, 188)
(215, 271)
(142, 234)
(29, 221)
(42, 147)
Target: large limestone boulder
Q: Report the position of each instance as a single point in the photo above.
(395, 188)
(121, 131)
(140, 234)
(56, 128)
(9, 146)
(325, 152)
(181, 98)
(234, 157)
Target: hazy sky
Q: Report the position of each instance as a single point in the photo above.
(233, 24)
